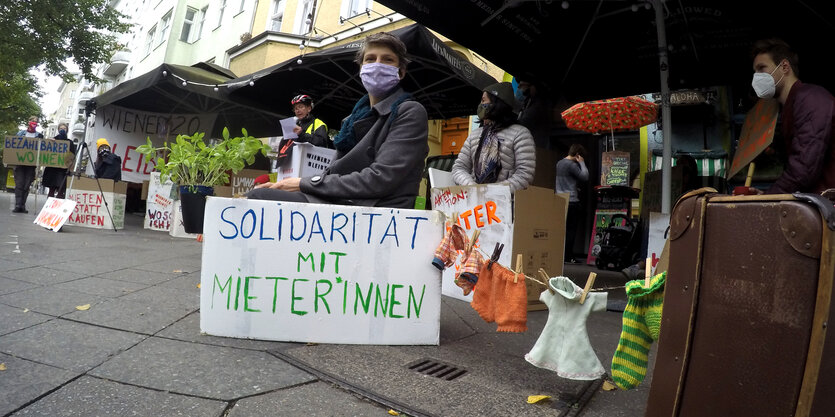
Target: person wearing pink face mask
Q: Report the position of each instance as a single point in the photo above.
(381, 146)
(25, 175)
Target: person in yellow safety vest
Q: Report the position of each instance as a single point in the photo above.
(309, 129)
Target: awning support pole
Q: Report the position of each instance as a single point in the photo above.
(664, 66)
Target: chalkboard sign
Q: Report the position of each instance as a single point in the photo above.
(615, 169)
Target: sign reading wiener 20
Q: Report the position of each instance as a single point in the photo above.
(18, 150)
(320, 273)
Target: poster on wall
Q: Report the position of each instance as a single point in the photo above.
(320, 273)
(126, 129)
(159, 204)
(483, 207)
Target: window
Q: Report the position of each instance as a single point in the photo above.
(220, 15)
(243, 3)
(149, 39)
(304, 20)
(203, 12)
(69, 112)
(276, 16)
(165, 25)
(351, 8)
(72, 94)
(188, 33)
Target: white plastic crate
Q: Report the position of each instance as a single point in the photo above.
(307, 160)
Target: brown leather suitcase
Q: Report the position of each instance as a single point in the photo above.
(746, 308)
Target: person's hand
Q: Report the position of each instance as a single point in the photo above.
(578, 158)
(297, 129)
(742, 190)
(287, 184)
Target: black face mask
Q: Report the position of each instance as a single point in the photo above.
(483, 111)
(62, 132)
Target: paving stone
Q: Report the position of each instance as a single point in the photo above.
(139, 276)
(7, 264)
(67, 345)
(8, 285)
(117, 313)
(318, 399)
(167, 297)
(110, 288)
(24, 380)
(200, 370)
(188, 330)
(185, 282)
(88, 266)
(13, 319)
(49, 300)
(42, 276)
(184, 264)
(88, 396)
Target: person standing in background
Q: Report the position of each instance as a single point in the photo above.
(55, 177)
(308, 128)
(25, 175)
(108, 165)
(572, 170)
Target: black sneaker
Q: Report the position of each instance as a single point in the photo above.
(18, 210)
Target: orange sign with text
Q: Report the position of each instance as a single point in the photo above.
(757, 133)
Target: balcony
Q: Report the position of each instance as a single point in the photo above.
(78, 129)
(85, 96)
(118, 62)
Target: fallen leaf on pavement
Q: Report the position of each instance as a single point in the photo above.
(198, 285)
(25, 310)
(178, 271)
(608, 386)
(2, 366)
(533, 399)
(394, 413)
(83, 308)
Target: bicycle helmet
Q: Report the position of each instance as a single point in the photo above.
(302, 98)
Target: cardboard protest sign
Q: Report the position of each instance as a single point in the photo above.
(90, 209)
(159, 203)
(615, 169)
(244, 181)
(55, 213)
(126, 129)
(757, 133)
(19, 150)
(485, 207)
(320, 273)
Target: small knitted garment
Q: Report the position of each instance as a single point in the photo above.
(497, 298)
(454, 240)
(641, 325)
(564, 346)
(468, 274)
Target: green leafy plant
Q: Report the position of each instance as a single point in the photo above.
(189, 161)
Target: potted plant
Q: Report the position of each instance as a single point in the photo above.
(197, 168)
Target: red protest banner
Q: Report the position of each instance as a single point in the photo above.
(757, 134)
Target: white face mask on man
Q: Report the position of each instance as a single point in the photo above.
(764, 84)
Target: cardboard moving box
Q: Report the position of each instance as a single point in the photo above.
(90, 209)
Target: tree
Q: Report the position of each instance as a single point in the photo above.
(47, 33)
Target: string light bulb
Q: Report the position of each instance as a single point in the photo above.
(165, 73)
(216, 88)
(185, 83)
(565, 4)
(252, 83)
(299, 61)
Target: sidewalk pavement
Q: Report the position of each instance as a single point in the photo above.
(138, 350)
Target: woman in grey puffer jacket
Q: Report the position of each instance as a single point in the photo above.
(500, 151)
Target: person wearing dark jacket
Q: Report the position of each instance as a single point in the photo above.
(108, 165)
(808, 116)
(54, 177)
(24, 175)
(381, 147)
(309, 128)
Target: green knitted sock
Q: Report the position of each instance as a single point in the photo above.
(641, 325)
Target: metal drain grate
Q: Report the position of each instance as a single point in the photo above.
(438, 369)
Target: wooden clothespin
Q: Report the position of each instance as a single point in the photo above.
(518, 268)
(545, 279)
(589, 283)
(648, 272)
(473, 239)
(454, 217)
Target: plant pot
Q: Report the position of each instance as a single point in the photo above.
(193, 203)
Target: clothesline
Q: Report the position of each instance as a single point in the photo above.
(528, 277)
